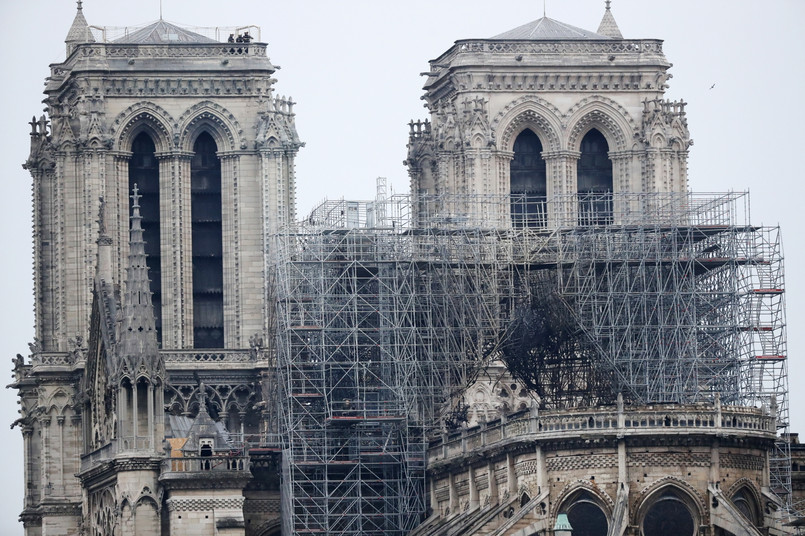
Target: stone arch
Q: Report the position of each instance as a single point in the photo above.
(272, 527)
(210, 117)
(747, 489)
(146, 516)
(528, 113)
(584, 503)
(652, 494)
(576, 487)
(606, 115)
(143, 117)
(57, 402)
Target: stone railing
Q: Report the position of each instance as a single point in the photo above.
(647, 47)
(206, 464)
(195, 50)
(52, 359)
(642, 421)
(630, 46)
(102, 454)
(199, 357)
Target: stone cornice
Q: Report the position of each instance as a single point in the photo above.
(105, 471)
(234, 480)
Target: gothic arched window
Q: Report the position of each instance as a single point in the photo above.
(745, 503)
(585, 515)
(208, 277)
(669, 514)
(144, 172)
(528, 182)
(595, 180)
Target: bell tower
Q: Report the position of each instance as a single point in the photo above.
(173, 293)
(555, 117)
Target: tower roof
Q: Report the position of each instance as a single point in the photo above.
(547, 29)
(608, 25)
(79, 31)
(138, 350)
(163, 32)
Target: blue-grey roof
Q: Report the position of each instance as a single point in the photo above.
(547, 29)
(162, 32)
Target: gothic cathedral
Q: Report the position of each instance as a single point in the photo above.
(554, 336)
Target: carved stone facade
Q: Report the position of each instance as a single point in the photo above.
(559, 84)
(110, 377)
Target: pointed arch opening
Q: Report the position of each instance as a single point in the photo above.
(585, 515)
(745, 502)
(207, 248)
(669, 513)
(595, 180)
(528, 182)
(144, 172)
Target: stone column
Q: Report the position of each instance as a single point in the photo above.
(561, 169)
(134, 410)
(47, 449)
(511, 475)
(502, 183)
(453, 494)
(175, 229)
(117, 213)
(28, 472)
(542, 474)
(493, 484)
(152, 438)
(232, 262)
(59, 476)
(474, 502)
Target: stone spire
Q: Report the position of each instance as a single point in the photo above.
(79, 31)
(138, 350)
(608, 26)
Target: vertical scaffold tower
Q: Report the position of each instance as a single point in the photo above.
(380, 322)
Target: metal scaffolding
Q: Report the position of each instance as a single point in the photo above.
(384, 313)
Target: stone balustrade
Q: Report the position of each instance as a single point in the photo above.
(194, 50)
(195, 358)
(600, 423)
(206, 464)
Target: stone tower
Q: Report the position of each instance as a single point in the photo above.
(543, 113)
(127, 324)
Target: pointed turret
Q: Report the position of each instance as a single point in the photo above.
(79, 31)
(205, 431)
(138, 350)
(608, 26)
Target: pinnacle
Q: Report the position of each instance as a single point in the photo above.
(608, 26)
(138, 338)
(79, 31)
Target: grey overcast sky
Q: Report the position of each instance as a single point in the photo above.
(353, 67)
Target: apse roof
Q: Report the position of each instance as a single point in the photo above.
(163, 32)
(547, 29)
